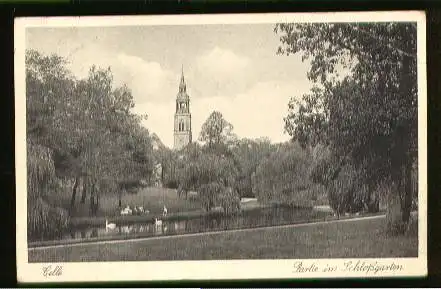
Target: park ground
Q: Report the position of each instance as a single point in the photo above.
(151, 198)
(364, 238)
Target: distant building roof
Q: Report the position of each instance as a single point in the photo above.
(156, 142)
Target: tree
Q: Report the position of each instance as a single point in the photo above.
(121, 156)
(87, 124)
(248, 154)
(46, 80)
(369, 117)
(43, 219)
(229, 200)
(216, 130)
(210, 172)
(283, 177)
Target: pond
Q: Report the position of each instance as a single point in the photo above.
(246, 219)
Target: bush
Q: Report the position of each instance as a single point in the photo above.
(283, 175)
(349, 193)
(229, 200)
(193, 197)
(243, 186)
(209, 193)
(171, 184)
(44, 220)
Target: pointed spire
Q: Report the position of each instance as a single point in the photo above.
(182, 85)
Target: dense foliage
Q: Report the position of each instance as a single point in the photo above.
(216, 130)
(208, 170)
(354, 134)
(224, 170)
(248, 154)
(363, 107)
(283, 177)
(80, 133)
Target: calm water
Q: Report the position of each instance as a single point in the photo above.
(250, 219)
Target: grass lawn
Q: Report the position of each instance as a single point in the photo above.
(354, 239)
(152, 198)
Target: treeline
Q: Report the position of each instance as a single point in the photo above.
(219, 168)
(81, 138)
(222, 169)
(354, 134)
(362, 109)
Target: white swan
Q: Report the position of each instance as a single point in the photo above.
(110, 225)
(126, 211)
(165, 211)
(158, 222)
(126, 229)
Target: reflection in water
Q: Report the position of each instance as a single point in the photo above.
(94, 233)
(127, 229)
(257, 218)
(158, 229)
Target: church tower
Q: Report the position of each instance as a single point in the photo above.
(182, 131)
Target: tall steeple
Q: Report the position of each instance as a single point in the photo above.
(182, 85)
(182, 128)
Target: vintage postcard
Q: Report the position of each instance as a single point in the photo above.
(204, 147)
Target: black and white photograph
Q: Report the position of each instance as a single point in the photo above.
(221, 146)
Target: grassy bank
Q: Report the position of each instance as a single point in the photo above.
(351, 239)
(151, 198)
(131, 219)
(179, 214)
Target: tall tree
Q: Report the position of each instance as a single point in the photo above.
(210, 173)
(283, 176)
(216, 130)
(368, 115)
(88, 126)
(248, 154)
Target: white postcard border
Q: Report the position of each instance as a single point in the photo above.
(217, 269)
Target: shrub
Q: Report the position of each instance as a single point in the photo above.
(209, 193)
(283, 175)
(44, 220)
(192, 197)
(171, 184)
(229, 200)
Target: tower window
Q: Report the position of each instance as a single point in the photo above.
(181, 126)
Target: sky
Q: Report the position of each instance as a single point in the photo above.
(233, 69)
